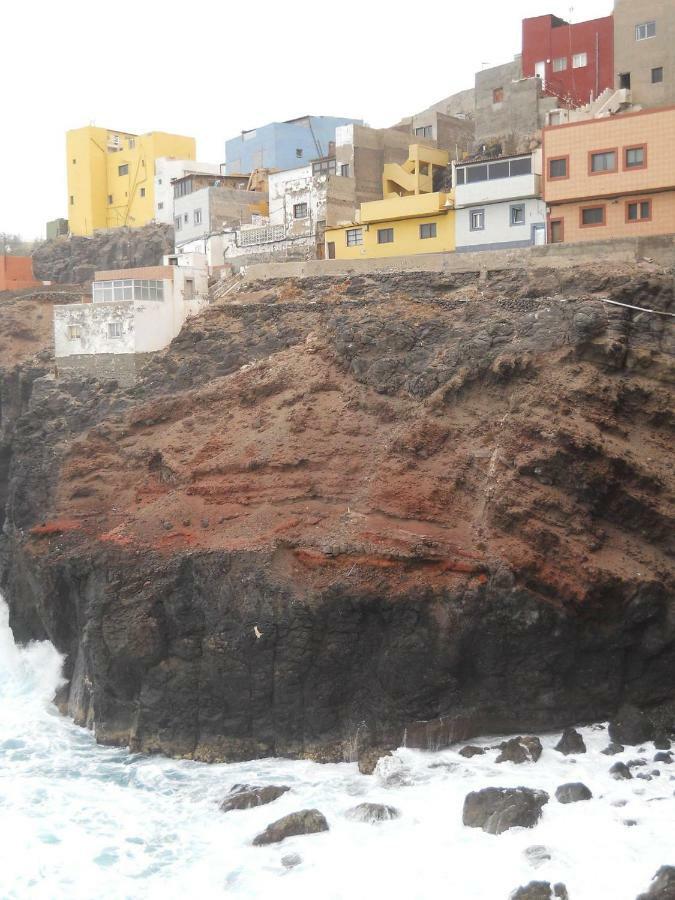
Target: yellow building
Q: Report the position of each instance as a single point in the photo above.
(412, 218)
(111, 175)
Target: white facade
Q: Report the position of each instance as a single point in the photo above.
(137, 314)
(167, 169)
(498, 203)
(297, 200)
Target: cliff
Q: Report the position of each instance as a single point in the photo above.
(335, 515)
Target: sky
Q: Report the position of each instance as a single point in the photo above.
(217, 68)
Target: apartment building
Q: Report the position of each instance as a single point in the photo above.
(206, 204)
(498, 203)
(644, 50)
(611, 177)
(111, 176)
(166, 171)
(411, 218)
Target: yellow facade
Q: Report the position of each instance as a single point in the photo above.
(111, 176)
(403, 218)
(410, 219)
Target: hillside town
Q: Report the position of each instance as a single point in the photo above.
(567, 143)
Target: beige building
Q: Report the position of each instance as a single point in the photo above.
(611, 178)
(644, 50)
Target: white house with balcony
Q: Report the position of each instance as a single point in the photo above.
(133, 311)
(498, 203)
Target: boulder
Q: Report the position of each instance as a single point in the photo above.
(620, 770)
(469, 751)
(612, 749)
(572, 792)
(663, 757)
(540, 890)
(369, 758)
(570, 742)
(246, 796)
(291, 860)
(662, 886)
(391, 771)
(372, 812)
(630, 726)
(306, 821)
(495, 810)
(520, 750)
(661, 742)
(537, 855)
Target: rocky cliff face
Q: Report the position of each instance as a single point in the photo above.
(73, 260)
(337, 515)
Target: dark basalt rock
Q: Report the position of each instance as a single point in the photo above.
(520, 750)
(470, 750)
(612, 749)
(661, 742)
(291, 860)
(306, 821)
(663, 757)
(246, 796)
(570, 742)
(620, 771)
(372, 812)
(369, 758)
(630, 726)
(572, 792)
(540, 890)
(662, 886)
(495, 810)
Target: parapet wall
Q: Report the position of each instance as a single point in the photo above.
(660, 250)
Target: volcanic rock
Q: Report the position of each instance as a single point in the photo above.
(620, 771)
(520, 750)
(540, 890)
(290, 860)
(630, 726)
(471, 750)
(307, 821)
(369, 758)
(663, 757)
(612, 749)
(570, 742)
(372, 812)
(246, 796)
(495, 810)
(662, 886)
(572, 792)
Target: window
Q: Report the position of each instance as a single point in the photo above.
(160, 206)
(300, 211)
(624, 81)
(475, 174)
(123, 170)
(177, 223)
(635, 157)
(72, 200)
(189, 290)
(74, 162)
(142, 192)
(182, 187)
(354, 236)
(579, 60)
(159, 181)
(645, 30)
(74, 332)
(298, 152)
(517, 214)
(132, 143)
(557, 231)
(424, 168)
(197, 217)
(425, 131)
(592, 215)
(498, 95)
(459, 176)
(110, 199)
(639, 211)
(344, 170)
(602, 161)
(428, 230)
(477, 220)
(657, 75)
(385, 235)
(560, 64)
(558, 168)
(505, 168)
(518, 166)
(498, 170)
(185, 218)
(324, 167)
(114, 329)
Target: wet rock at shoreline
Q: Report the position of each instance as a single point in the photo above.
(572, 792)
(612, 749)
(246, 796)
(537, 855)
(570, 742)
(520, 750)
(372, 812)
(630, 726)
(662, 886)
(540, 890)
(470, 750)
(620, 771)
(369, 758)
(495, 810)
(306, 821)
(291, 860)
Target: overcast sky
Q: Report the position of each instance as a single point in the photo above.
(218, 67)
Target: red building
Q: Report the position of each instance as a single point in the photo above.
(575, 62)
(16, 273)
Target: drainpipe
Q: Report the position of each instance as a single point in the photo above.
(597, 64)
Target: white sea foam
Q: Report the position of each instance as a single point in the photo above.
(82, 821)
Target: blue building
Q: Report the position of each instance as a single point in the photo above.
(282, 145)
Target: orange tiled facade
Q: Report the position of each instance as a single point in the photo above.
(16, 273)
(611, 178)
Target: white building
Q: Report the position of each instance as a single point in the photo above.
(498, 203)
(166, 170)
(133, 310)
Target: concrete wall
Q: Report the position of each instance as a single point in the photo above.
(122, 367)
(165, 170)
(640, 57)
(498, 231)
(450, 133)
(556, 256)
(292, 188)
(93, 320)
(220, 207)
(616, 222)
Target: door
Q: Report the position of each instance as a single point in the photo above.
(189, 292)
(331, 249)
(539, 235)
(540, 72)
(557, 231)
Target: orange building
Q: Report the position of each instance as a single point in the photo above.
(611, 178)
(16, 273)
